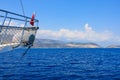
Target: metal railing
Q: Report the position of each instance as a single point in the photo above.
(24, 18)
(15, 34)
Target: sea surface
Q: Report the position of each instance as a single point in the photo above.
(60, 64)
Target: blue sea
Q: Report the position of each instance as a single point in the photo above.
(60, 64)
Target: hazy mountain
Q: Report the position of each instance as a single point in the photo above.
(82, 45)
(113, 46)
(48, 43)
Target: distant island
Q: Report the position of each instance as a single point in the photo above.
(113, 46)
(49, 43)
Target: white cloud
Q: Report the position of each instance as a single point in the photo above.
(88, 28)
(76, 35)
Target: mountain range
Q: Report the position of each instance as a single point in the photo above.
(49, 43)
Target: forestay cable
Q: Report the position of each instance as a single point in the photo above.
(22, 7)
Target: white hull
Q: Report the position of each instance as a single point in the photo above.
(7, 47)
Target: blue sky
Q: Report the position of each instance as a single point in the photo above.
(99, 18)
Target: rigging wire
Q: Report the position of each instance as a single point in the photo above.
(23, 32)
(25, 52)
(22, 7)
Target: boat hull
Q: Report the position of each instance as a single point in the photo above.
(5, 49)
(8, 47)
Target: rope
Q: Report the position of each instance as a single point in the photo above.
(22, 7)
(25, 52)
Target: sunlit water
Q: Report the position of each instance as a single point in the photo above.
(61, 64)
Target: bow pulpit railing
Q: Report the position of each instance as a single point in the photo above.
(16, 30)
